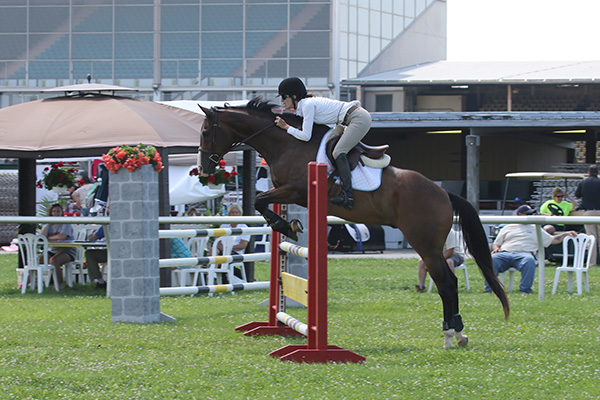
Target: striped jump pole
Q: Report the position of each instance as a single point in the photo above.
(193, 261)
(317, 350)
(292, 322)
(183, 290)
(216, 232)
(294, 249)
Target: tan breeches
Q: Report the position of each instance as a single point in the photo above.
(358, 126)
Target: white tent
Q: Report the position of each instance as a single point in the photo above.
(186, 189)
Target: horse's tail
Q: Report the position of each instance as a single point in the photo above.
(477, 244)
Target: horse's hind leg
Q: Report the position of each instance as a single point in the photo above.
(447, 285)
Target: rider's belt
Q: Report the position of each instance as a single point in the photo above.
(350, 111)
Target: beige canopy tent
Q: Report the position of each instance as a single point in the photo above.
(77, 126)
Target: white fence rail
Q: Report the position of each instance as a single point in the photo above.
(537, 220)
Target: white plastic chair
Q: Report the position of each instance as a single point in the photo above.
(462, 267)
(28, 247)
(74, 270)
(214, 272)
(264, 240)
(583, 244)
(197, 246)
(179, 277)
(511, 275)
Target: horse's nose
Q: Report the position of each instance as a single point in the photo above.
(201, 171)
(199, 164)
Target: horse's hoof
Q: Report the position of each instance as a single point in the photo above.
(292, 235)
(463, 341)
(448, 335)
(296, 225)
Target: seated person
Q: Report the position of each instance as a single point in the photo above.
(453, 253)
(80, 195)
(557, 207)
(94, 258)
(179, 249)
(516, 246)
(241, 242)
(59, 256)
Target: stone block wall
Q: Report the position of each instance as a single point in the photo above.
(134, 246)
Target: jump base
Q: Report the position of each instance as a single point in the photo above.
(258, 328)
(302, 354)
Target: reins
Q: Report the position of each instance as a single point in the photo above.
(215, 157)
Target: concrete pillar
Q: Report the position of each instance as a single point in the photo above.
(134, 245)
(472, 142)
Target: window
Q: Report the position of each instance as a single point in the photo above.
(383, 102)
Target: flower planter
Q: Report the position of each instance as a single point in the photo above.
(60, 189)
(216, 187)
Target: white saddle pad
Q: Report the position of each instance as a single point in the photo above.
(357, 231)
(364, 178)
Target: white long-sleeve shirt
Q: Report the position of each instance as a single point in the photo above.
(320, 110)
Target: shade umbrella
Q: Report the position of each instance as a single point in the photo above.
(73, 126)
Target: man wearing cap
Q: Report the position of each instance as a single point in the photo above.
(516, 246)
(588, 190)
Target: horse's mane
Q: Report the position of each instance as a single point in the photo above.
(259, 106)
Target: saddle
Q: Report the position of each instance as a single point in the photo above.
(370, 156)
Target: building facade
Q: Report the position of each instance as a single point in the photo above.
(210, 49)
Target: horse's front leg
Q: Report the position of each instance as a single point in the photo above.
(286, 194)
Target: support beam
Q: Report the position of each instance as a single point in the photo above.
(591, 138)
(249, 193)
(164, 208)
(473, 141)
(27, 193)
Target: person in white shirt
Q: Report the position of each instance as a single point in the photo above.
(453, 253)
(516, 246)
(241, 241)
(322, 110)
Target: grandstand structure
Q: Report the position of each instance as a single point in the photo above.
(210, 49)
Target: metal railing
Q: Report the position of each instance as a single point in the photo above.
(538, 220)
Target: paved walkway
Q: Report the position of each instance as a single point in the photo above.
(396, 253)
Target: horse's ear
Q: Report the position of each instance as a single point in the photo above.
(207, 111)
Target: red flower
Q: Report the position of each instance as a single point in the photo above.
(56, 175)
(132, 158)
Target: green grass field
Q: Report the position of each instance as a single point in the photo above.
(64, 345)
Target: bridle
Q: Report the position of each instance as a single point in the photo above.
(215, 157)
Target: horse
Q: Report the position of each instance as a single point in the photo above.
(407, 200)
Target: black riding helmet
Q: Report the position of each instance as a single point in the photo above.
(292, 86)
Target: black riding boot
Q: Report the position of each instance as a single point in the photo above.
(345, 197)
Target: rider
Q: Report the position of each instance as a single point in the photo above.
(322, 110)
